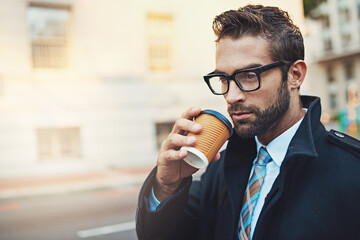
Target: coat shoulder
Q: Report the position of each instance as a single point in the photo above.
(344, 141)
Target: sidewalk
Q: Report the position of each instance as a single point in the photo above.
(48, 185)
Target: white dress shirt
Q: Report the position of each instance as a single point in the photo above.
(277, 149)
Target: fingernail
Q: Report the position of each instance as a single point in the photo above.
(182, 153)
(195, 109)
(191, 140)
(196, 127)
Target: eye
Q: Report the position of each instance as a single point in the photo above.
(246, 76)
(250, 75)
(222, 79)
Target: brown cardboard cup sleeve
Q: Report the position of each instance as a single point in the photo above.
(216, 130)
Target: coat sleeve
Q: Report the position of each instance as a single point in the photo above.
(174, 218)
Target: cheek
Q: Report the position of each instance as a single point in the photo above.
(269, 92)
(264, 98)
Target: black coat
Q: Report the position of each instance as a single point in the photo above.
(315, 196)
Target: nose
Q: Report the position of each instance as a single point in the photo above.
(235, 94)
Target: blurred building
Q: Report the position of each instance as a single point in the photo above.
(88, 84)
(333, 48)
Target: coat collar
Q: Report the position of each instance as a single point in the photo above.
(303, 142)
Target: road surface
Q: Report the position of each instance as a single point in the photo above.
(106, 214)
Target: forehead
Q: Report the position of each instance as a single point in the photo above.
(234, 54)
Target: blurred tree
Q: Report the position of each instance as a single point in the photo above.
(310, 5)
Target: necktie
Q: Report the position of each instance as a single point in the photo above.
(252, 194)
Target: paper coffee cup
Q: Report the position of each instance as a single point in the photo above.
(216, 130)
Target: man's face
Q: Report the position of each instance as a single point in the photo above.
(253, 113)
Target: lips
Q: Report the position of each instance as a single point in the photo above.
(240, 115)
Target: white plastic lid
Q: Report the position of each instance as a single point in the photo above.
(195, 158)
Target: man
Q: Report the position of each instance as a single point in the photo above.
(282, 175)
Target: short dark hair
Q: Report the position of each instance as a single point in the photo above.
(285, 39)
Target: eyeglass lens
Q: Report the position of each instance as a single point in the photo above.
(247, 80)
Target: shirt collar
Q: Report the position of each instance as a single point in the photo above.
(277, 148)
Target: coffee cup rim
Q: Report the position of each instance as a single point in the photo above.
(220, 117)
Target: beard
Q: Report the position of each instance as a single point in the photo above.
(265, 119)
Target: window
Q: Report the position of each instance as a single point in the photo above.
(333, 101)
(162, 131)
(349, 71)
(325, 21)
(344, 15)
(345, 26)
(58, 143)
(48, 27)
(346, 39)
(327, 44)
(160, 41)
(332, 86)
(330, 74)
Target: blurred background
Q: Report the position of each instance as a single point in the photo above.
(89, 89)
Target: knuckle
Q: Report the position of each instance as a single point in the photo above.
(167, 155)
(178, 122)
(185, 114)
(191, 124)
(163, 144)
(162, 157)
(170, 140)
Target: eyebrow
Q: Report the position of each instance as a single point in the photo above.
(250, 66)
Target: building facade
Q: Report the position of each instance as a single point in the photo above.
(334, 52)
(88, 84)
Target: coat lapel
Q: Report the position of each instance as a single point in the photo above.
(240, 154)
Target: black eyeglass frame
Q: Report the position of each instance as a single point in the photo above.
(256, 70)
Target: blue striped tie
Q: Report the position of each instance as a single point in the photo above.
(252, 194)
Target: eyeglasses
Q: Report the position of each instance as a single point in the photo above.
(247, 80)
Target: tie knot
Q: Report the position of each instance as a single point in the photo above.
(263, 157)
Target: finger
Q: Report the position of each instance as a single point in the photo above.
(176, 141)
(183, 126)
(172, 155)
(191, 113)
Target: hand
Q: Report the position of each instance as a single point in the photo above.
(171, 169)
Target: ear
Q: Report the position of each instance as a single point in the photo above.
(296, 74)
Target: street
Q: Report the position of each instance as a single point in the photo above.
(106, 214)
